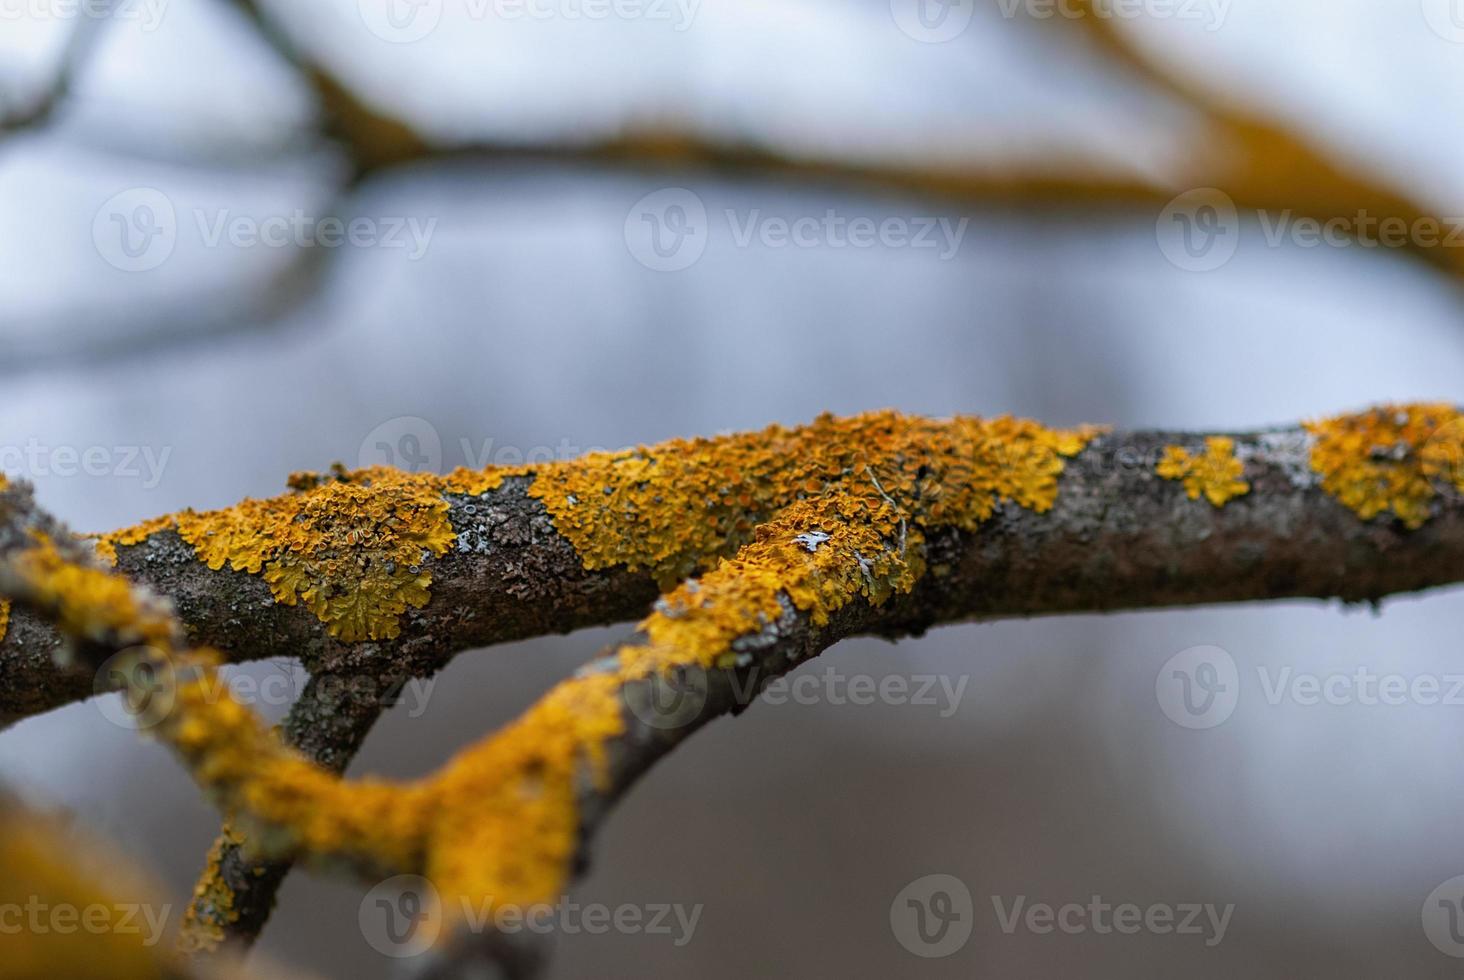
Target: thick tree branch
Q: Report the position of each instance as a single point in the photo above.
(509, 576)
(879, 524)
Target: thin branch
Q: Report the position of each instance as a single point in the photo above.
(373, 138)
(1261, 162)
(80, 43)
(236, 891)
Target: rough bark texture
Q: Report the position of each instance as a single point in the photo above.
(510, 576)
(1118, 536)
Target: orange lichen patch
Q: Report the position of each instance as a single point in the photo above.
(212, 906)
(813, 518)
(107, 544)
(281, 799)
(88, 602)
(349, 547)
(817, 517)
(1392, 458)
(507, 823)
(474, 482)
(1215, 473)
(679, 507)
(863, 492)
(45, 875)
(291, 802)
(4, 618)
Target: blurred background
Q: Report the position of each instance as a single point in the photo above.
(171, 300)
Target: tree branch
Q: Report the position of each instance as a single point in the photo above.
(877, 524)
(80, 43)
(236, 891)
(1265, 165)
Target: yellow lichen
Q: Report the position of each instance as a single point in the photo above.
(281, 799)
(212, 905)
(1215, 473)
(106, 544)
(349, 548)
(811, 518)
(1393, 458)
(822, 515)
(678, 507)
(90, 603)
